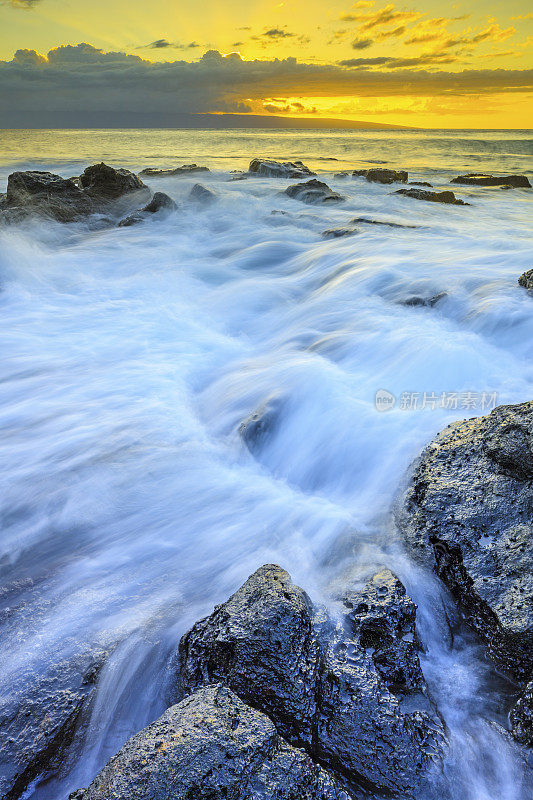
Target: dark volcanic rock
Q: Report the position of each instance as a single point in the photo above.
(211, 746)
(428, 302)
(185, 169)
(526, 280)
(279, 169)
(199, 194)
(337, 233)
(47, 194)
(376, 175)
(469, 513)
(38, 720)
(433, 197)
(366, 221)
(312, 192)
(421, 183)
(160, 204)
(104, 183)
(492, 180)
(334, 690)
(521, 717)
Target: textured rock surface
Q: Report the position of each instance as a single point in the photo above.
(380, 175)
(339, 233)
(433, 197)
(38, 720)
(526, 280)
(160, 203)
(47, 194)
(279, 169)
(319, 680)
(367, 221)
(469, 512)
(185, 169)
(260, 423)
(521, 717)
(475, 179)
(104, 183)
(211, 746)
(312, 192)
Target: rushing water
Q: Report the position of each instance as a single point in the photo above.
(130, 505)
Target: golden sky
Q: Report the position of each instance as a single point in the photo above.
(426, 63)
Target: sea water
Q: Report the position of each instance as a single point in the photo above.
(130, 356)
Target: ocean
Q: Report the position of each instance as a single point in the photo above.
(131, 356)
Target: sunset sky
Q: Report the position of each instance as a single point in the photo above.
(426, 63)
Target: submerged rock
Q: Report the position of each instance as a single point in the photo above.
(312, 192)
(200, 194)
(428, 302)
(261, 423)
(526, 280)
(433, 197)
(185, 169)
(478, 179)
(279, 169)
(160, 204)
(211, 746)
(338, 233)
(336, 690)
(46, 194)
(469, 513)
(367, 221)
(521, 717)
(421, 183)
(38, 720)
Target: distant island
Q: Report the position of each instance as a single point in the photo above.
(137, 119)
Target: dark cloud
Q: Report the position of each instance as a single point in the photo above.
(396, 63)
(362, 44)
(275, 33)
(19, 3)
(72, 81)
(162, 44)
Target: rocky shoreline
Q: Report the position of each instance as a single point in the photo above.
(273, 694)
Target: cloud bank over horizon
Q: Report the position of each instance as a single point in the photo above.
(79, 78)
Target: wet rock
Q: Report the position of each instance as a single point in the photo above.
(260, 424)
(468, 512)
(428, 302)
(312, 192)
(46, 194)
(526, 280)
(382, 618)
(211, 746)
(279, 169)
(104, 183)
(521, 717)
(39, 718)
(475, 179)
(160, 204)
(367, 221)
(200, 194)
(185, 169)
(420, 183)
(387, 176)
(433, 197)
(317, 679)
(337, 233)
